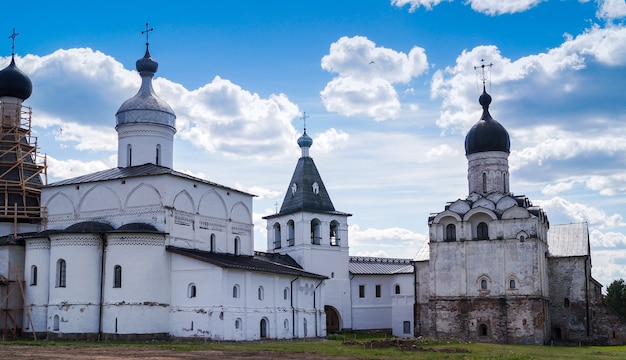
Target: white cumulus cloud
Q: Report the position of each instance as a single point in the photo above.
(581, 213)
(611, 9)
(489, 7)
(366, 74)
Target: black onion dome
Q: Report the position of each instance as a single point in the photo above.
(487, 134)
(14, 82)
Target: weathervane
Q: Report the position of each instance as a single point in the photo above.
(483, 70)
(12, 37)
(147, 31)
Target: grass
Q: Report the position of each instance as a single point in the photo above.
(334, 346)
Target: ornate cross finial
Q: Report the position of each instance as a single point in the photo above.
(147, 31)
(483, 70)
(303, 118)
(276, 207)
(12, 37)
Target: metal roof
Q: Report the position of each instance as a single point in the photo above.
(136, 171)
(309, 192)
(271, 263)
(362, 265)
(568, 240)
(423, 254)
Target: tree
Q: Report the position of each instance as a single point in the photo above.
(616, 296)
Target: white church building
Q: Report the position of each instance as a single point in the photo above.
(142, 251)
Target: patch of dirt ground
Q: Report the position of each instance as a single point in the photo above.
(95, 352)
(129, 352)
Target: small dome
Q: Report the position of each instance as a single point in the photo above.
(146, 106)
(147, 64)
(487, 134)
(14, 82)
(305, 140)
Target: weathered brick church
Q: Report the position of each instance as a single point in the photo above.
(497, 271)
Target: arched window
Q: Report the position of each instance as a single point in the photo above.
(261, 293)
(286, 325)
(504, 182)
(286, 293)
(483, 284)
(450, 232)
(291, 230)
(277, 236)
(237, 246)
(334, 233)
(306, 327)
(512, 284)
(33, 275)
(484, 183)
(129, 155)
(238, 324)
(158, 154)
(566, 302)
(316, 232)
(61, 272)
(236, 291)
(482, 231)
(397, 289)
(212, 244)
(191, 290)
(117, 276)
(55, 323)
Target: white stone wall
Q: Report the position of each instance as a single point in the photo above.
(37, 253)
(324, 259)
(189, 211)
(144, 139)
(77, 303)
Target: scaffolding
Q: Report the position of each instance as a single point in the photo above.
(21, 167)
(12, 291)
(21, 171)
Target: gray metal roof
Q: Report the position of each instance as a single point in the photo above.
(568, 240)
(271, 263)
(423, 254)
(302, 197)
(362, 265)
(136, 171)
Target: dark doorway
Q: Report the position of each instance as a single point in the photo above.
(332, 319)
(263, 329)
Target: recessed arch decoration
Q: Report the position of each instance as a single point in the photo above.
(142, 196)
(184, 202)
(100, 198)
(448, 216)
(240, 213)
(213, 205)
(60, 204)
(480, 214)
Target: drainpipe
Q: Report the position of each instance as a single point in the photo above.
(315, 305)
(416, 321)
(102, 273)
(293, 309)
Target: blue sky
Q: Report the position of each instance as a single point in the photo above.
(388, 135)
